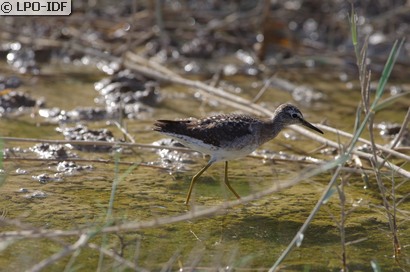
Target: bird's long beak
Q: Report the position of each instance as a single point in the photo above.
(309, 125)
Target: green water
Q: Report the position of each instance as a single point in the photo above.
(247, 237)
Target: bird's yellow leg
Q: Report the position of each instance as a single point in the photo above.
(194, 178)
(227, 181)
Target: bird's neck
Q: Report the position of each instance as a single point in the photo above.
(271, 129)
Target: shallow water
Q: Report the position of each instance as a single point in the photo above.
(250, 236)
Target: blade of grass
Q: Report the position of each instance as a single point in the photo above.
(353, 30)
(388, 67)
(389, 101)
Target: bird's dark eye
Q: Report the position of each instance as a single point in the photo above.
(294, 115)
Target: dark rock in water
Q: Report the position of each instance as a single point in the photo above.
(51, 151)
(389, 130)
(12, 102)
(45, 178)
(128, 94)
(83, 133)
(36, 194)
(11, 82)
(70, 167)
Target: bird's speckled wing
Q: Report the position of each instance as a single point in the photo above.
(211, 130)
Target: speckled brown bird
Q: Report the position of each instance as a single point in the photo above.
(229, 136)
